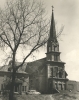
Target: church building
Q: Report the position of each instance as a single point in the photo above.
(48, 74)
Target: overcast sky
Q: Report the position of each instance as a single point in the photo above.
(66, 12)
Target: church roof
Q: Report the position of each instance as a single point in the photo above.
(35, 65)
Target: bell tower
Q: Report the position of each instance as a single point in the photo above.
(56, 74)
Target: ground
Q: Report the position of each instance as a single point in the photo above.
(59, 96)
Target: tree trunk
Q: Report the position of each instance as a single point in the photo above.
(11, 94)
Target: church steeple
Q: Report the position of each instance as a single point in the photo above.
(55, 67)
(52, 45)
(53, 53)
(52, 27)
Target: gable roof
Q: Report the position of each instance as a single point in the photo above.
(8, 68)
(35, 65)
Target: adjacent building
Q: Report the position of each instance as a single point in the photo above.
(21, 81)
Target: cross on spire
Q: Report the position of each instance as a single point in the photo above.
(52, 8)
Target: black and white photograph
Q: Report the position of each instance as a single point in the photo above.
(39, 50)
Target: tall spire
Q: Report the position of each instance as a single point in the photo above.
(52, 27)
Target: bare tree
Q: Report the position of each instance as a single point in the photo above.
(22, 24)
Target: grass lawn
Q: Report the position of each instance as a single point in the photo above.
(59, 96)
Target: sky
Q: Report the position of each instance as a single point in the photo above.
(65, 13)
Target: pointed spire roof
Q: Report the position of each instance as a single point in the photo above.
(52, 27)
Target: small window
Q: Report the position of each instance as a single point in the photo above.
(25, 88)
(55, 57)
(22, 88)
(55, 48)
(55, 71)
(2, 86)
(49, 49)
(52, 48)
(51, 72)
(60, 74)
(52, 57)
(56, 86)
